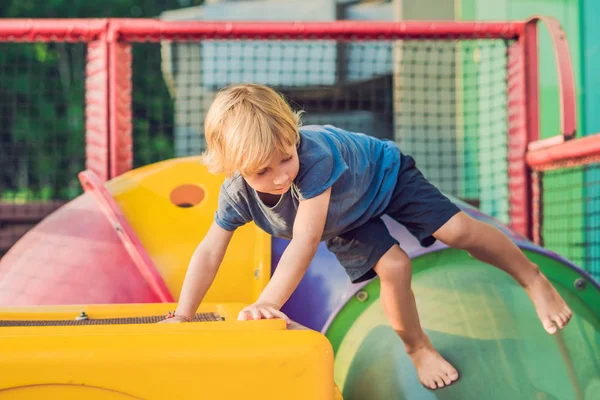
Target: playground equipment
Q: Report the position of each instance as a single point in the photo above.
(129, 241)
(120, 354)
(113, 259)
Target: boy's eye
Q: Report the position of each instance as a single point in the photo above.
(286, 159)
(261, 172)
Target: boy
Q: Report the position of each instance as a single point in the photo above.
(323, 183)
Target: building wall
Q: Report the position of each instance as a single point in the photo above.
(198, 70)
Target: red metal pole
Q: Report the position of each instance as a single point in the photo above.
(574, 152)
(519, 113)
(96, 108)
(119, 103)
(46, 30)
(155, 30)
(564, 69)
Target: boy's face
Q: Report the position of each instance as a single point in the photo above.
(277, 175)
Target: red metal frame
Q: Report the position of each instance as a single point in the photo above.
(564, 68)
(154, 30)
(524, 118)
(108, 98)
(108, 85)
(574, 153)
(119, 92)
(536, 208)
(92, 183)
(580, 151)
(46, 30)
(123, 29)
(533, 193)
(518, 137)
(96, 108)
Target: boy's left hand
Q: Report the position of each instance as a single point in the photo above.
(262, 311)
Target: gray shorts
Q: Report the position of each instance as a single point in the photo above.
(415, 203)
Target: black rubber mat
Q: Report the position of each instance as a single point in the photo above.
(82, 320)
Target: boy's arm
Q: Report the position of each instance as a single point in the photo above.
(202, 270)
(307, 233)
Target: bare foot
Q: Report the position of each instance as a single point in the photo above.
(433, 370)
(549, 305)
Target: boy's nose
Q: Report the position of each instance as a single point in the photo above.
(281, 179)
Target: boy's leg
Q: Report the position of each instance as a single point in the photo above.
(395, 272)
(429, 215)
(488, 244)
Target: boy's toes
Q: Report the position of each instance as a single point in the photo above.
(453, 375)
(439, 381)
(559, 321)
(450, 373)
(569, 312)
(549, 326)
(446, 379)
(565, 317)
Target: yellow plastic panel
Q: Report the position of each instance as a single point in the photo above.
(206, 360)
(170, 233)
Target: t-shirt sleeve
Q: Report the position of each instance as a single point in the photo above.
(321, 165)
(230, 214)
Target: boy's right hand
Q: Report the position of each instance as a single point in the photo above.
(173, 320)
(262, 311)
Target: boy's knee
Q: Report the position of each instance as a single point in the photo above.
(393, 264)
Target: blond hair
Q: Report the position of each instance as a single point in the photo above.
(245, 125)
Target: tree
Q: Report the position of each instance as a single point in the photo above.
(42, 104)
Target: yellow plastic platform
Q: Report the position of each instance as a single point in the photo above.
(111, 355)
(149, 198)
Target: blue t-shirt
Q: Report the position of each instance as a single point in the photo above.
(360, 169)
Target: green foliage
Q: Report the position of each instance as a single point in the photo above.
(89, 9)
(153, 107)
(42, 100)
